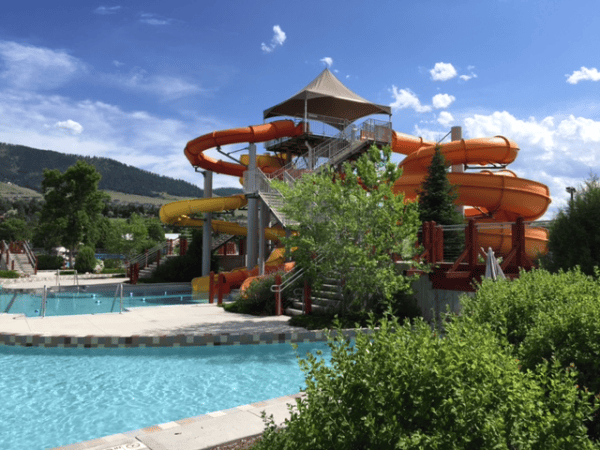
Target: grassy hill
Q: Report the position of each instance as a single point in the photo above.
(24, 166)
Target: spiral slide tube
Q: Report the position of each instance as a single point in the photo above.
(492, 196)
(178, 213)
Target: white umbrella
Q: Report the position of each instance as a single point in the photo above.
(492, 267)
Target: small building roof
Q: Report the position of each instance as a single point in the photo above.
(327, 96)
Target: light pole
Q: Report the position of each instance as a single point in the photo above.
(571, 190)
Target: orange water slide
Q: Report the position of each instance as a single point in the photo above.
(489, 196)
(194, 150)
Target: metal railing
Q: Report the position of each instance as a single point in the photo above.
(8, 252)
(146, 258)
(317, 125)
(75, 278)
(330, 150)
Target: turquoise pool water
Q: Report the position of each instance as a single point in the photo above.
(82, 302)
(53, 397)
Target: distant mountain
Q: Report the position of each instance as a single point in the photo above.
(24, 166)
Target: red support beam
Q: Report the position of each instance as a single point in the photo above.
(211, 287)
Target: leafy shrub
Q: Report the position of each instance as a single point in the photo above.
(49, 262)
(86, 260)
(113, 264)
(403, 387)
(543, 315)
(9, 274)
(110, 271)
(258, 297)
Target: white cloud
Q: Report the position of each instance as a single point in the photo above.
(166, 87)
(104, 10)
(583, 74)
(445, 119)
(404, 98)
(441, 101)
(117, 63)
(555, 151)
(28, 67)
(327, 61)
(442, 72)
(465, 77)
(70, 126)
(277, 39)
(153, 19)
(137, 138)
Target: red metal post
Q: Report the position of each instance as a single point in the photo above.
(473, 244)
(183, 244)
(278, 302)
(211, 287)
(438, 233)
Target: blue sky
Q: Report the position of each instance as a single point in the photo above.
(135, 80)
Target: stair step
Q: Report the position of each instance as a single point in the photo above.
(293, 312)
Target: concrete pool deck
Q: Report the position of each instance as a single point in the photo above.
(203, 324)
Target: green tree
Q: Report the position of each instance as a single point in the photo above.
(436, 202)
(15, 229)
(354, 226)
(129, 236)
(72, 205)
(156, 232)
(574, 238)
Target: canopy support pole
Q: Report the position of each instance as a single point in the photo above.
(207, 227)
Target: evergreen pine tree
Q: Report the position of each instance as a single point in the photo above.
(436, 203)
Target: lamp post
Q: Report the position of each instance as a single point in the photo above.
(571, 190)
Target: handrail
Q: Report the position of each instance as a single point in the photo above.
(30, 255)
(325, 152)
(150, 254)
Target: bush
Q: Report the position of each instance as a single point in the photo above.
(258, 298)
(403, 387)
(543, 315)
(49, 262)
(113, 264)
(86, 260)
(9, 274)
(110, 271)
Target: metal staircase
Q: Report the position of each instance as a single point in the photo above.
(274, 201)
(351, 141)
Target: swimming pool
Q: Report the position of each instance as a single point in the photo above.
(53, 397)
(96, 299)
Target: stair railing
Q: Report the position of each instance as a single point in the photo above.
(30, 256)
(331, 149)
(146, 258)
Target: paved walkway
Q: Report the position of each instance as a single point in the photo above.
(187, 320)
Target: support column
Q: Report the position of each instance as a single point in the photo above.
(252, 193)
(207, 227)
(262, 242)
(456, 135)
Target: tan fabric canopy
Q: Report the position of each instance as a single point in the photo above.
(327, 96)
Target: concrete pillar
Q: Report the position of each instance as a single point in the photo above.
(253, 199)
(456, 135)
(207, 227)
(262, 241)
